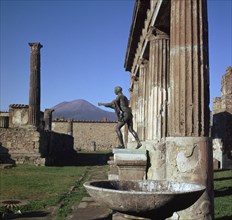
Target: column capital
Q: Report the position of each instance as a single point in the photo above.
(35, 46)
(143, 61)
(154, 33)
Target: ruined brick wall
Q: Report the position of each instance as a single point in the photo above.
(20, 144)
(89, 134)
(222, 122)
(27, 145)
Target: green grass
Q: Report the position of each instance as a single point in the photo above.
(223, 194)
(44, 187)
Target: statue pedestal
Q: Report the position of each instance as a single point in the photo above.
(131, 164)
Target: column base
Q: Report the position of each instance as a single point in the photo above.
(189, 159)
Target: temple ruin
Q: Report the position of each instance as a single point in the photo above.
(167, 57)
(26, 135)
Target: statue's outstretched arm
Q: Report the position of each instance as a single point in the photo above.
(108, 105)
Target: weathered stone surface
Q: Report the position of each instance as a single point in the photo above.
(188, 159)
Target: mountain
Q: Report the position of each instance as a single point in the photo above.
(81, 110)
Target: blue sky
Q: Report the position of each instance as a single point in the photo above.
(84, 46)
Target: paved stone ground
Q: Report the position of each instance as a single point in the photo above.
(88, 209)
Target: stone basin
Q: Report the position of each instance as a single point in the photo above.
(145, 198)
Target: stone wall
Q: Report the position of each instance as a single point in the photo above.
(222, 123)
(89, 134)
(27, 145)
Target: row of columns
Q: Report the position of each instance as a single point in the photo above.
(172, 105)
(152, 93)
(173, 85)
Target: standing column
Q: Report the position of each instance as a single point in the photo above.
(157, 102)
(159, 82)
(34, 96)
(142, 120)
(188, 148)
(134, 107)
(189, 73)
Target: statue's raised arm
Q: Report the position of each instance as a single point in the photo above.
(108, 105)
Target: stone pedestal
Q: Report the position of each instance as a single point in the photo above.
(131, 163)
(113, 173)
(127, 164)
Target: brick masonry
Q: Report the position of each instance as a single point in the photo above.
(86, 133)
(28, 145)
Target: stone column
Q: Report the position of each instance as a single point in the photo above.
(189, 73)
(188, 148)
(142, 119)
(34, 95)
(134, 107)
(159, 82)
(48, 119)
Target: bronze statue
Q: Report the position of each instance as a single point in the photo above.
(124, 115)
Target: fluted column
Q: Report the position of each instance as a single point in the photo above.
(34, 95)
(134, 105)
(189, 74)
(159, 82)
(142, 119)
(188, 148)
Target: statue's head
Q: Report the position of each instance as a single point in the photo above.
(117, 89)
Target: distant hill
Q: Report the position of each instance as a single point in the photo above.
(81, 110)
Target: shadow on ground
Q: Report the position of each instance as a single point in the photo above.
(227, 191)
(24, 215)
(93, 159)
(224, 218)
(79, 159)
